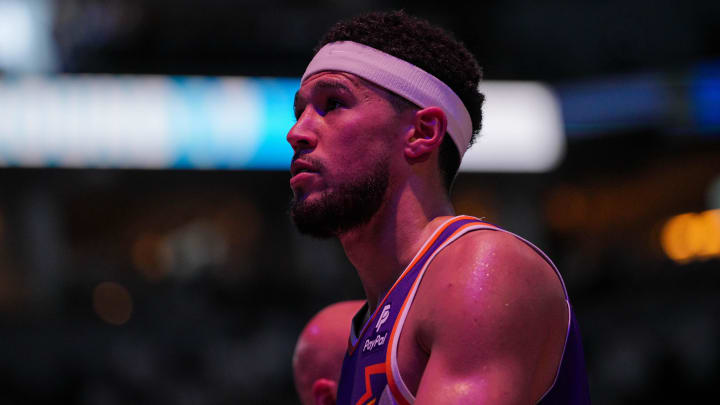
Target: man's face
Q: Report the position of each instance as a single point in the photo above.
(346, 134)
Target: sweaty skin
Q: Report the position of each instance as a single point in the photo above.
(489, 321)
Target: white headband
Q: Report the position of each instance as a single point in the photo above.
(400, 77)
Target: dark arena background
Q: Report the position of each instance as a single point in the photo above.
(146, 254)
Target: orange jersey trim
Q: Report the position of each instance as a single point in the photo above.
(418, 256)
(378, 368)
(388, 356)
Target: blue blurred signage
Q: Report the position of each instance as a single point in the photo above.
(106, 121)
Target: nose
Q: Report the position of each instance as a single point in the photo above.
(302, 135)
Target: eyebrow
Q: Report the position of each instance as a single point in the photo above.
(325, 84)
(332, 84)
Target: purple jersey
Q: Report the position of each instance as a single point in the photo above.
(370, 374)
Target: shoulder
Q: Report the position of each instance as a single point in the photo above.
(497, 260)
(490, 285)
(491, 314)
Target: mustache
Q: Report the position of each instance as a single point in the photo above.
(316, 164)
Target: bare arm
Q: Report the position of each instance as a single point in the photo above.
(496, 319)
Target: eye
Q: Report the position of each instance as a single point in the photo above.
(297, 111)
(331, 104)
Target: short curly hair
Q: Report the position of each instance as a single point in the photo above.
(428, 47)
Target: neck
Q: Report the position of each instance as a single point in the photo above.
(381, 249)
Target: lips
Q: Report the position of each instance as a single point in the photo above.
(303, 174)
(301, 166)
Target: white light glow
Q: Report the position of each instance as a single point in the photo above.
(26, 43)
(16, 32)
(522, 130)
(128, 122)
(106, 121)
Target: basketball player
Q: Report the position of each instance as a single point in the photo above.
(319, 353)
(458, 311)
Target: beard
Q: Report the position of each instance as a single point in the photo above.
(347, 207)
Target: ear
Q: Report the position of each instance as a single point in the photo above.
(324, 392)
(428, 132)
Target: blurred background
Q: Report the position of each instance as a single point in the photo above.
(145, 251)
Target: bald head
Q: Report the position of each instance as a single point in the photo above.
(319, 353)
